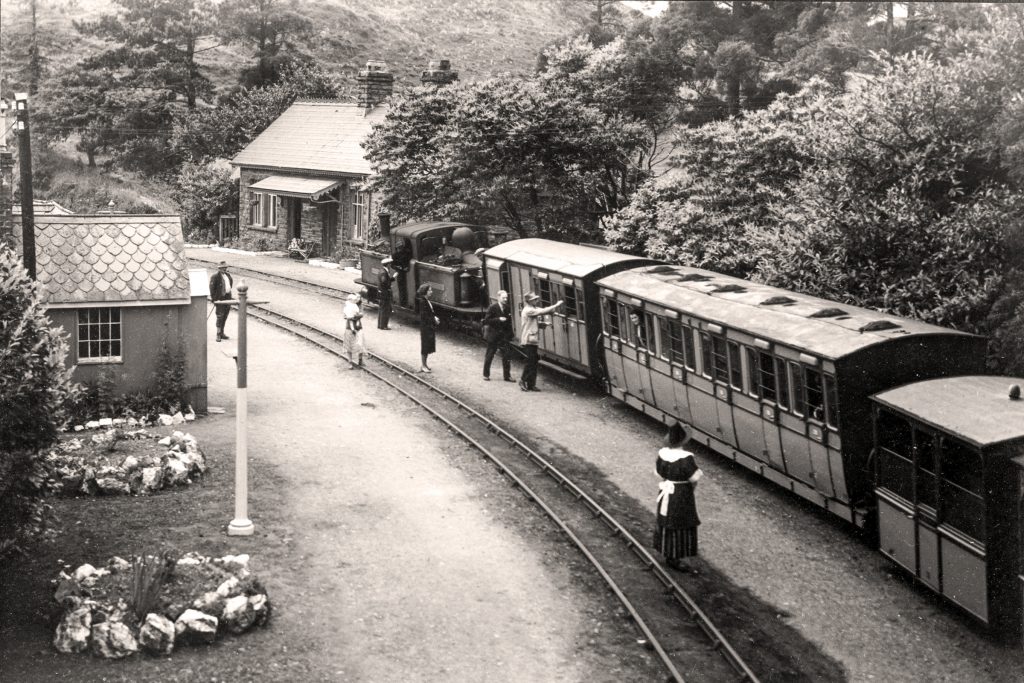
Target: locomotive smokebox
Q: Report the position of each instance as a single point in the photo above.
(464, 239)
(384, 219)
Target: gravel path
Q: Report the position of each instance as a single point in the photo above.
(811, 568)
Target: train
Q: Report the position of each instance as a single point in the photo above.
(888, 423)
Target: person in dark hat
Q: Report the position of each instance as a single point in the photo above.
(384, 280)
(676, 534)
(428, 325)
(530, 338)
(220, 289)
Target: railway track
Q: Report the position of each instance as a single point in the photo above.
(667, 619)
(324, 290)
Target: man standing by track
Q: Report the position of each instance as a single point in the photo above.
(530, 339)
(220, 289)
(498, 333)
(384, 281)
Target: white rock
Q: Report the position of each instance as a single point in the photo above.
(238, 615)
(109, 486)
(152, 478)
(228, 587)
(79, 428)
(195, 626)
(177, 418)
(119, 564)
(175, 472)
(260, 608)
(190, 416)
(92, 424)
(74, 630)
(132, 422)
(166, 441)
(106, 421)
(113, 640)
(240, 560)
(84, 572)
(130, 464)
(210, 602)
(157, 634)
(119, 420)
(165, 420)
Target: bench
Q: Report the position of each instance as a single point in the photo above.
(303, 249)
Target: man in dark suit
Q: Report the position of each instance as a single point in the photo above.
(220, 289)
(498, 333)
(384, 280)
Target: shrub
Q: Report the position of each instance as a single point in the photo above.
(34, 386)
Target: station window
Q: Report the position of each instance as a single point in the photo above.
(796, 383)
(895, 464)
(611, 317)
(961, 505)
(831, 402)
(814, 394)
(782, 383)
(263, 210)
(924, 458)
(99, 335)
(735, 366)
(766, 376)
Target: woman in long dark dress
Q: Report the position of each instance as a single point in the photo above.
(676, 533)
(428, 325)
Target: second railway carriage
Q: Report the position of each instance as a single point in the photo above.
(950, 490)
(557, 271)
(778, 381)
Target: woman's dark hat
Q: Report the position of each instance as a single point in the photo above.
(677, 435)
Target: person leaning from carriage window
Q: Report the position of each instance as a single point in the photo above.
(220, 289)
(428, 325)
(353, 338)
(676, 534)
(530, 339)
(384, 280)
(639, 329)
(498, 333)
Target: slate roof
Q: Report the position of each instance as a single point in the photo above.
(321, 136)
(43, 206)
(116, 258)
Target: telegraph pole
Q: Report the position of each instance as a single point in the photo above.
(28, 216)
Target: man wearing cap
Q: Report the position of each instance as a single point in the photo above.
(530, 339)
(220, 289)
(384, 280)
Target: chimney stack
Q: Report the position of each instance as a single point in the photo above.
(439, 73)
(376, 83)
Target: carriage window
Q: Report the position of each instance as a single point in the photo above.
(831, 402)
(580, 308)
(895, 467)
(570, 302)
(705, 354)
(783, 383)
(644, 333)
(766, 376)
(961, 488)
(796, 380)
(719, 359)
(735, 366)
(611, 317)
(544, 291)
(814, 394)
(924, 457)
(671, 342)
(752, 371)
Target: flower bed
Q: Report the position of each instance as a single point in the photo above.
(93, 466)
(156, 604)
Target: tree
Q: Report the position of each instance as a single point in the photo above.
(271, 28)
(531, 154)
(78, 102)
(203, 192)
(34, 386)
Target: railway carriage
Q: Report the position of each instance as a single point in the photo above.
(949, 485)
(557, 271)
(779, 382)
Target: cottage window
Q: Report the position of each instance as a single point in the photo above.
(99, 335)
(360, 214)
(263, 210)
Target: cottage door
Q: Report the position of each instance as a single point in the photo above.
(294, 218)
(329, 221)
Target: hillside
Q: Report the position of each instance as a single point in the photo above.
(480, 37)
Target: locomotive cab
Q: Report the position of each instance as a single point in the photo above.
(948, 455)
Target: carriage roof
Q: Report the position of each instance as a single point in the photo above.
(570, 259)
(819, 326)
(975, 408)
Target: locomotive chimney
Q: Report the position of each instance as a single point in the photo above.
(375, 84)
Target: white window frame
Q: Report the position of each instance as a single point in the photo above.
(96, 327)
(264, 207)
(360, 214)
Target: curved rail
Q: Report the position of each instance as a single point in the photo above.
(718, 640)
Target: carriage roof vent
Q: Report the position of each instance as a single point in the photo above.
(663, 268)
(827, 313)
(877, 326)
(693, 277)
(778, 301)
(725, 289)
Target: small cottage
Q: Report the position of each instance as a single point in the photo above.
(304, 176)
(120, 287)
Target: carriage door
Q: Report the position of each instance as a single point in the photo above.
(549, 334)
(495, 279)
(575, 324)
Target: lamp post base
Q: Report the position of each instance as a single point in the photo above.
(240, 527)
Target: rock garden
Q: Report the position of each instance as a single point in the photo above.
(155, 604)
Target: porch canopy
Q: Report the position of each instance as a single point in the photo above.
(296, 186)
